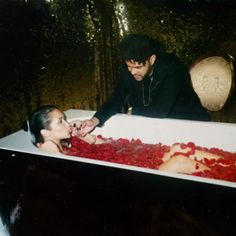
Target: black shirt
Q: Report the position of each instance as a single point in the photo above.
(167, 94)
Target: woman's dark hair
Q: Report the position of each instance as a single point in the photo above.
(38, 120)
(139, 48)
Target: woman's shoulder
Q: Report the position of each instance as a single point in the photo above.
(48, 146)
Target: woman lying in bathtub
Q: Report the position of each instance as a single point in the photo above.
(50, 129)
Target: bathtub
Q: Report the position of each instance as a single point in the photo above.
(149, 130)
(59, 193)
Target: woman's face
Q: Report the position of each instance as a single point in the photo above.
(59, 128)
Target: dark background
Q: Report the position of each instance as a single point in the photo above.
(64, 52)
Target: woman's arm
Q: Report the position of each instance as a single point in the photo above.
(182, 164)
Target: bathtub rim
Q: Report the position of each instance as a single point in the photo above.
(6, 144)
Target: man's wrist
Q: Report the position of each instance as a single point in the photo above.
(95, 121)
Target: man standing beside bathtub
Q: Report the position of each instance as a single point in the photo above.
(153, 82)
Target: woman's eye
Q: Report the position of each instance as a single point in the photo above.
(60, 121)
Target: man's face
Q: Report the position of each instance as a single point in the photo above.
(140, 70)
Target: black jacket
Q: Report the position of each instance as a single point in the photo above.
(172, 94)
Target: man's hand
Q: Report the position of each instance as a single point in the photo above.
(88, 125)
(76, 127)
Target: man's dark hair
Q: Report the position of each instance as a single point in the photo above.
(139, 48)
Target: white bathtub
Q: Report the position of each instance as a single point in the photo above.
(149, 130)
